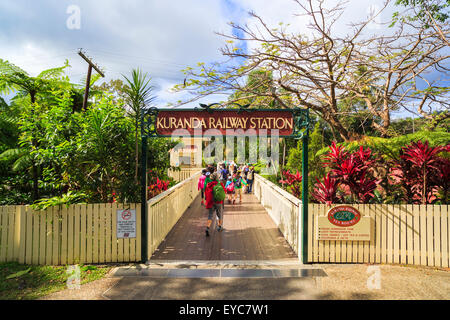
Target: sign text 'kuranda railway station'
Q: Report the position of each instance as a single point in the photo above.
(252, 122)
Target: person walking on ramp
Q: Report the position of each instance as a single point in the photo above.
(201, 184)
(214, 194)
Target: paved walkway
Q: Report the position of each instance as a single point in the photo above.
(249, 234)
(346, 282)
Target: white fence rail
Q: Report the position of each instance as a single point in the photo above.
(183, 173)
(283, 208)
(164, 210)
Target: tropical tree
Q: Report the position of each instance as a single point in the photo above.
(139, 95)
(14, 79)
(323, 67)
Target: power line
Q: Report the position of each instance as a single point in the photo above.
(152, 60)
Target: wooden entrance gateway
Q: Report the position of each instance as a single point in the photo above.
(245, 238)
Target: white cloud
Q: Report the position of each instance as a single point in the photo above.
(160, 37)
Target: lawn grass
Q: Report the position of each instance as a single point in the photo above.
(41, 280)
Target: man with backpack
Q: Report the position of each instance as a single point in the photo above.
(214, 194)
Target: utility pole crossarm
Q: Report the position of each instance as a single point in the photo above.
(88, 79)
(91, 63)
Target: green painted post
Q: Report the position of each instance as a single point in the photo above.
(143, 193)
(305, 190)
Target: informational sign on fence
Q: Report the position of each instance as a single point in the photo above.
(343, 223)
(126, 223)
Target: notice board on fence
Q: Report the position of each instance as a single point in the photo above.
(126, 223)
(344, 223)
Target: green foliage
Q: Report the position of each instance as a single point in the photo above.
(423, 9)
(18, 274)
(389, 148)
(24, 282)
(67, 199)
(315, 143)
(49, 147)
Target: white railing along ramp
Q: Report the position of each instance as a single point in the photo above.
(164, 210)
(283, 208)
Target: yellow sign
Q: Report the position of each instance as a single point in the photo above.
(343, 223)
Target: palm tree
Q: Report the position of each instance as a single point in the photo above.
(139, 94)
(14, 79)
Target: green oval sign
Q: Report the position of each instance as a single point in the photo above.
(344, 216)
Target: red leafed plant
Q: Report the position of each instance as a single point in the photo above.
(350, 170)
(326, 191)
(335, 155)
(364, 188)
(157, 187)
(420, 171)
(293, 182)
(443, 175)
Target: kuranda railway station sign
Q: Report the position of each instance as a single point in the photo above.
(251, 122)
(207, 121)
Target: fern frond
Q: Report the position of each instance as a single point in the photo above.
(12, 154)
(7, 67)
(6, 120)
(53, 73)
(23, 163)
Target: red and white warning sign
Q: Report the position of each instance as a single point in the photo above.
(126, 223)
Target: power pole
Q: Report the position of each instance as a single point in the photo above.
(88, 79)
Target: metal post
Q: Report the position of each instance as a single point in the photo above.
(143, 192)
(305, 190)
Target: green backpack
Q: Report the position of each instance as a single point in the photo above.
(218, 193)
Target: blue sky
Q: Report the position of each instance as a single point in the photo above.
(160, 37)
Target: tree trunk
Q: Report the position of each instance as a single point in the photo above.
(337, 125)
(34, 169)
(35, 177)
(136, 152)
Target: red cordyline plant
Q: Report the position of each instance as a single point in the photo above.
(443, 176)
(421, 172)
(326, 191)
(293, 182)
(352, 170)
(156, 188)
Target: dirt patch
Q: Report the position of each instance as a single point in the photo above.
(395, 282)
(90, 291)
